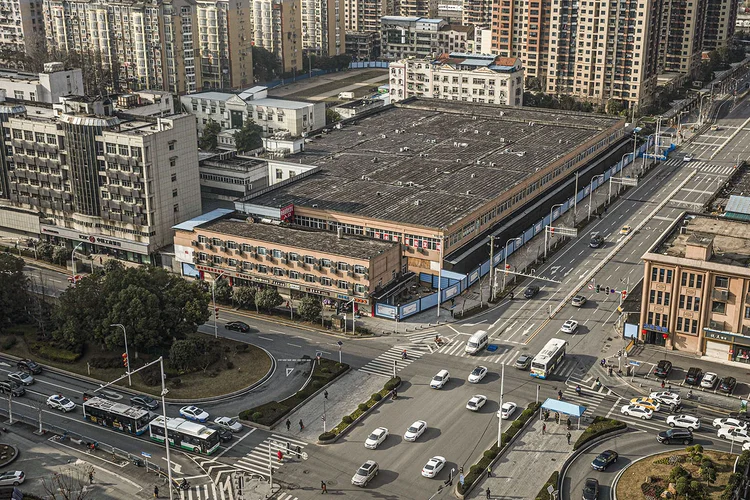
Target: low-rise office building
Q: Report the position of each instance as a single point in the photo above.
(47, 86)
(404, 37)
(363, 45)
(296, 262)
(696, 292)
(229, 176)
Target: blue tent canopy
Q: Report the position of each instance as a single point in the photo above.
(563, 407)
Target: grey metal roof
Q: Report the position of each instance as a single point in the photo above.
(738, 204)
(189, 225)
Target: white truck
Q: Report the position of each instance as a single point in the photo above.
(346, 95)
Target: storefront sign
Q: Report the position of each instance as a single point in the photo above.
(96, 239)
(342, 296)
(287, 213)
(719, 336)
(360, 301)
(294, 287)
(318, 292)
(655, 328)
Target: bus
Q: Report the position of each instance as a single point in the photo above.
(548, 358)
(184, 434)
(116, 415)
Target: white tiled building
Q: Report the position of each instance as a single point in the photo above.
(47, 86)
(459, 77)
(403, 37)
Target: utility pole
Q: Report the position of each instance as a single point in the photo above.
(492, 267)
(500, 417)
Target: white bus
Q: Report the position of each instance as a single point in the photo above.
(187, 435)
(116, 415)
(548, 358)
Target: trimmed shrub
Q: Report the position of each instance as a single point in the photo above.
(363, 407)
(347, 419)
(552, 481)
(491, 454)
(326, 436)
(376, 397)
(257, 416)
(317, 384)
(393, 383)
(241, 347)
(52, 353)
(599, 427)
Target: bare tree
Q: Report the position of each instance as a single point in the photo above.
(69, 483)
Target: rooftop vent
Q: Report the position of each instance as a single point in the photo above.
(468, 191)
(360, 133)
(488, 132)
(417, 202)
(473, 176)
(315, 205)
(375, 159)
(378, 193)
(476, 131)
(502, 113)
(383, 136)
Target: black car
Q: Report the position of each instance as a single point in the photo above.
(145, 402)
(604, 460)
(237, 326)
(663, 368)
(596, 241)
(531, 291)
(727, 384)
(591, 489)
(684, 436)
(694, 376)
(30, 366)
(224, 434)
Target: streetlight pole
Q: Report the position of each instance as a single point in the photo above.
(127, 355)
(622, 167)
(505, 265)
(591, 193)
(549, 227)
(440, 273)
(73, 257)
(500, 416)
(213, 297)
(164, 392)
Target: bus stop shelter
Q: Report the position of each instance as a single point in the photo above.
(564, 408)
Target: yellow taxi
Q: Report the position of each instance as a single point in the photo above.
(649, 403)
(625, 230)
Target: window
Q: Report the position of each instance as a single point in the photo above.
(173, 162)
(171, 145)
(174, 193)
(659, 296)
(277, 254)
(174, 177)
(343, 284)
(325, 262)
(279, 174)
(747, 312)
(699, 281)
(343, 266)
(667, 296)
(718, 307)
(262, 251)
(310, 278)
(358, 269)
(654, 273)
(721, 282)
(360, 289)
(325, 281)
(309, 259)
(683, 282)
(697, 305)
(123, 150)
(277, 271)
(669, 276)
(695, 327)
(682, 301)
(293, 257)
(293, 275)
(661, 275)
(176, 207)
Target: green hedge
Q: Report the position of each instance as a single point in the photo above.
(552, 481)
(599, 427)
(52, 353)
(479, 468)
(270, 413)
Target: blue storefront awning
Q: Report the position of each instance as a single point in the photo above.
(563, 407)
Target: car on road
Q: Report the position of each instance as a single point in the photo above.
(709, 380)
(224, 434)
(507, 410)
(11, 387)
(194, 413)
(578, 301)
(663, 368)
(415, 430)
(440, 379)
(21, 377)
(590, 489)
(30, 366)
(734, 434)
(646, 403)
(604, 460)
(60, 402)
(637, 411)
(477, 374)
(684, 421)
(687, 158)
(684, 436)
(666, 398)
(597, 240)
(237, 326)
(365, 473)
(569, 326)
(144, 401)
(228, 423)
(693, 376)
(12, 478)
(433, 466)
(727, 385)
(729, 422)
(625, 230)
(523, 362)
(376, 438)
(531, 292)
(476, 402)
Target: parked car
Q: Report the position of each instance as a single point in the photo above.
(60, 402)
(376, 438)
(194, 413)
(684, 421)
(477, 374)
(523, 362)
(694, 375)
(88, 395)
(591, 489)
(578, 301)
(663, 368)
(415, 430)
(30, 366)
(637, 411)
(570, 326)
(709, 380)
(228, 423)
(144, 401)
(365, 473)
(433, 466)
(727, 385)
(21, 378)
(237, 326)
(531, 292)
(687, 158)
(684, 436)
(604, 460)
(476, 402)
(12, 478)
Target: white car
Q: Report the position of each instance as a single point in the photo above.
(686, 421)
(439, 380)
(637, 411)
(569, 326)
(194, 413)
(666, 398)
(433, 466)
(729, 422)
(476, 402)
(477, 374)
(415, 430)
(12, 478)
(60, 402)
(376, 438)
(687, 158)
(733, 434)
(507, 410)
(228, 423)
(709, 380)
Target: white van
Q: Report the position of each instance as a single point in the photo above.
(477, 342)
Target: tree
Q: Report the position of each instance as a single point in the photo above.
(209, 138)
(45, 251)
(60, 255)
(267, 299)
(332, 116)
(310, 308)
(13, 295)
(183, 355)
(614, 107)
(78, 313)
(70, 483)
(708, 473)
(266, 66)
(222, 291)
(533, 83)
(249, 136)
(244, 296)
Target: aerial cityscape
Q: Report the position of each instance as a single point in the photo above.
(407, 249)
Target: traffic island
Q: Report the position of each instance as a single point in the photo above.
(8, 453)
(692, 473)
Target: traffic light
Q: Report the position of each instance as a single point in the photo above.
(598, 288)
(125, 359)
(551, 231)
(216, 312)
(606, 290)
(624, 294)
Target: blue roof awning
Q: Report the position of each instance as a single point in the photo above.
(563, 407)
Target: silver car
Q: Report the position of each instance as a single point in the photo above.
(365, 473)
(21, 377)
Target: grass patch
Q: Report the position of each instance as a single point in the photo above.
(552, 481)
(270, 413)
(599, 427)
(248, 364)
(652, 475)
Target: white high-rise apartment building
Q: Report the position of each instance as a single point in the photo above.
(323, 29)
(21, 23)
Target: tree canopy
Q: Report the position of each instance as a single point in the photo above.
(249, 136)
(13, 290)
(209, 139)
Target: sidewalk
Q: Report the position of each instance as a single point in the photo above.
(530, 461)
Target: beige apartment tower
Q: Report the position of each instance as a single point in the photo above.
(277, 27)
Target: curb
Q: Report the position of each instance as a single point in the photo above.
(573, 456)
(357, 420)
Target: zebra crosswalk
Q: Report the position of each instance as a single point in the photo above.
(286, 496)
(702, 166)
(264, 454)
(202, 492)
(384, 364)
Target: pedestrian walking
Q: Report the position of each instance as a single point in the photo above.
(557, 418)
(280, 455)
(489, 471)
(91, 477)
(662, 384)
(156, 492)
(488, 494)
(288, 447)
(288, 424)
(568, 436)
(301, 425)
(325, 394)
(544, 429)
(323, 487)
